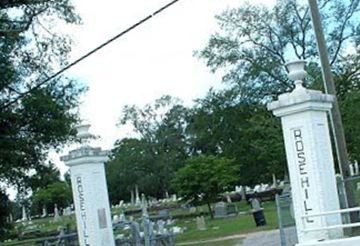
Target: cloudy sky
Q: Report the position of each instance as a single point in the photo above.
(153, 60)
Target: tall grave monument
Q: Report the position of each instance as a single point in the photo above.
(90, 193)
(303, 115)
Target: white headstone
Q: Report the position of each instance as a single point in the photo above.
(115, 219)
(351, 169)
(137, 197)
(132, 198)
(122, 217)
(228, 198)
(56, 213)
(177, 230)
(67, 211)
(44, 212)
(274, 182)
(200, 223)
(24, 216)
(255, 204)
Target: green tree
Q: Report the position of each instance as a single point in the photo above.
(254, 43)
(204, 178)
(131, 164)
(56, 193)
(156, 154)
(33, 118)
(222, 124)
(45, 176)
(348, 88)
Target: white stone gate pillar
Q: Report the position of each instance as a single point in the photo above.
(93, 216)
(303, 115)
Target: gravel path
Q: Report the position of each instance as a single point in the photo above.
(264, 238)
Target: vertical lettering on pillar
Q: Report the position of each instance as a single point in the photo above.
(82, 209)
(302, 169)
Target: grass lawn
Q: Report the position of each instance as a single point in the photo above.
(223, 227)
(216, 228)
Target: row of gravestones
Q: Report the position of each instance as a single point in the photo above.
(354, 169)
(56, 215)
(149, 202)
(152, 233)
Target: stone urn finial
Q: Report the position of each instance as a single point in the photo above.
(297, 72)
(83, 132)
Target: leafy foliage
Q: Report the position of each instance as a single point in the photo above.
(33, 119)
(222, 124)
(56, 193)
(255, 42)
(151, 160)
(251, 48)
(204, 178)
(45, 176)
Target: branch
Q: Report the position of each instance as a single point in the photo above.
(324, 4)
(276, 78)
(348, 15)
(272, 51)
(5, 4)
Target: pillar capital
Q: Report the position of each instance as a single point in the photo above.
(300, 101)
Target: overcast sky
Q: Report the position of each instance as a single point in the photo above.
(153, 60)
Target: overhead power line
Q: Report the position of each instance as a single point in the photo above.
(132, 27)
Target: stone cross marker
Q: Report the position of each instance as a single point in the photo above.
(90, 193)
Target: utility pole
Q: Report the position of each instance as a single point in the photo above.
(335, 116)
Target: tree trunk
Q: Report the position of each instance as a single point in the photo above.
(210, 210)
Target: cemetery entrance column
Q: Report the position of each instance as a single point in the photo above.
(90, 193)
(303, 115)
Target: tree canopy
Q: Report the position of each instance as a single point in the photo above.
(203, 179)
(151, 159)
(33, 118)
(254, 43)
(251, 48)
(58, 193)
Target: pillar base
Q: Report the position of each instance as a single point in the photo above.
(337, 242)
